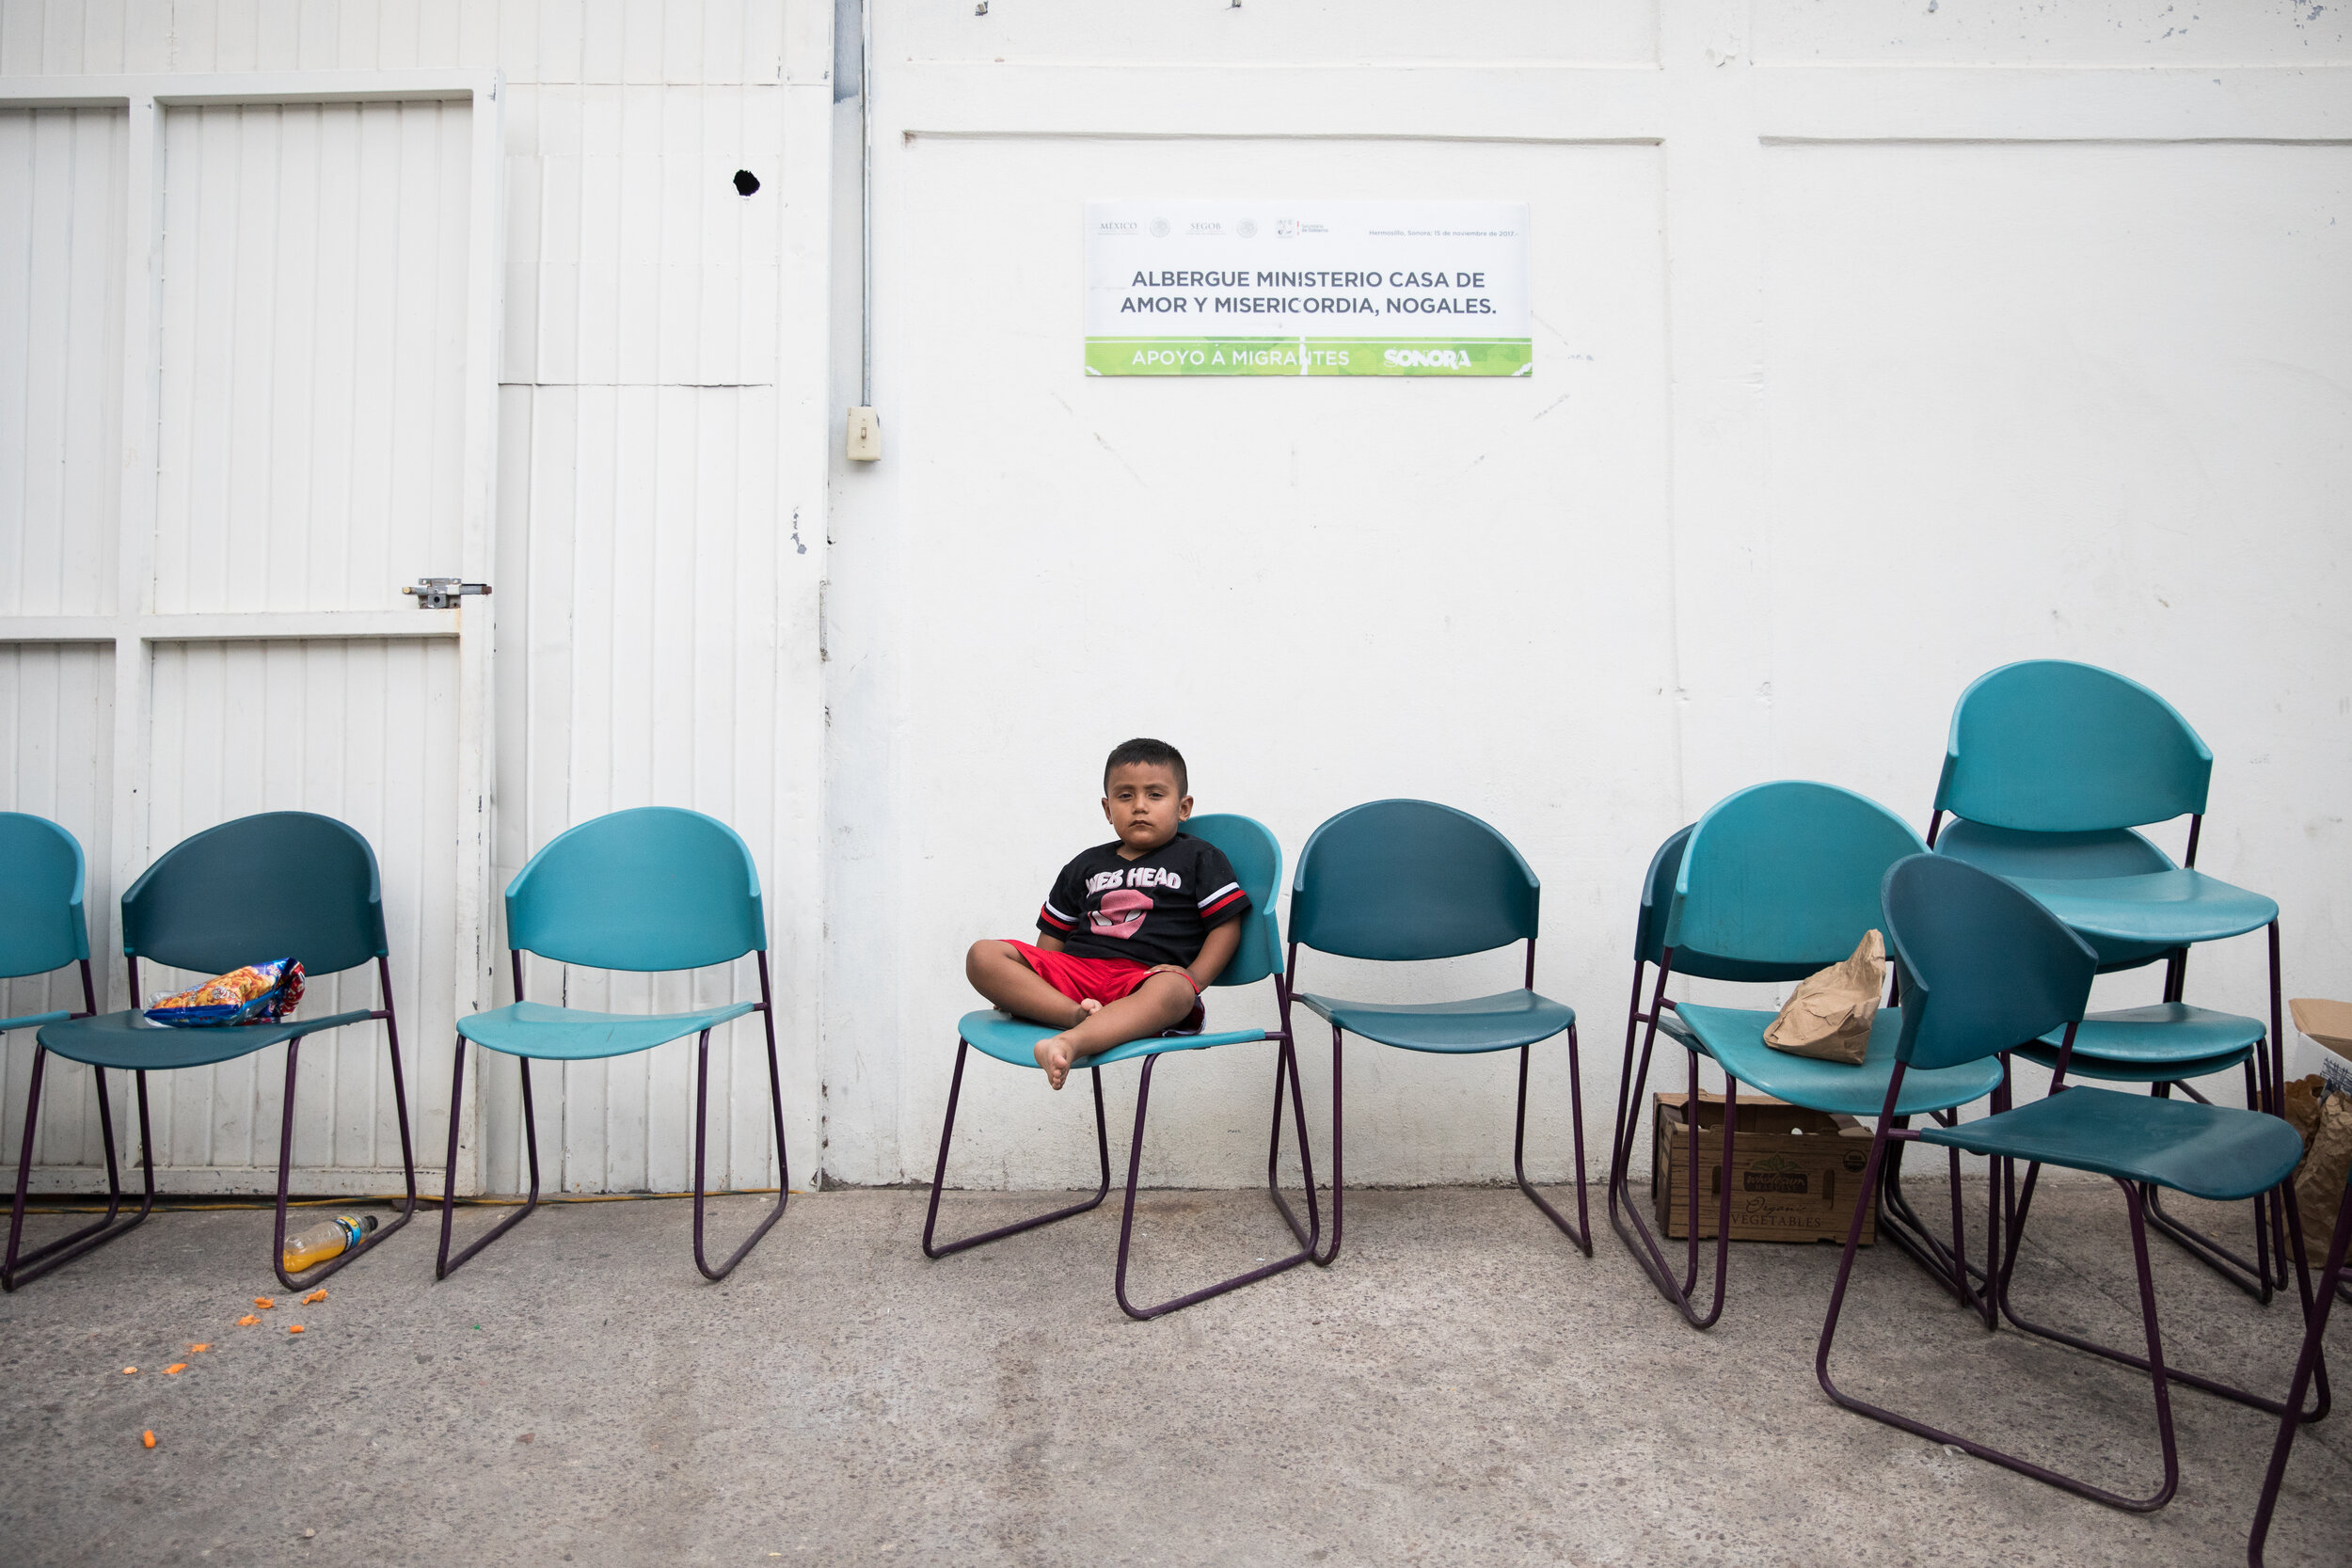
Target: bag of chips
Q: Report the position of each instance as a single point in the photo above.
(258, 993)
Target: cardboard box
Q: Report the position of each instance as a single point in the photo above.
(1795, 1174)
(2330, 1024)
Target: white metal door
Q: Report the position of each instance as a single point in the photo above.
(276, 412)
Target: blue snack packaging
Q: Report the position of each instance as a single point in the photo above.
(258, 993)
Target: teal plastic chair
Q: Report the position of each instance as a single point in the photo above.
(2050, 767)
(1403, 881)
(1775, 882)
(646, 890)
(42, 928)
(282, 884)
(1983, 965)
(1256, 857)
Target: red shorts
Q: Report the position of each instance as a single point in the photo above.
(1099, 979)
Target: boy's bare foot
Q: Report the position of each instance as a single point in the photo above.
(1056, 1051)
(1053, 1054)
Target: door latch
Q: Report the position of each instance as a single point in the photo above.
(443, 593)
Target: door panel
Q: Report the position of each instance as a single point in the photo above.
(257, 399)
(60, 365)
(313, 294)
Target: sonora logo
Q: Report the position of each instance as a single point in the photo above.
(1428, 358)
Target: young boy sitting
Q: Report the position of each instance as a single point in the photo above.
(1133, 929)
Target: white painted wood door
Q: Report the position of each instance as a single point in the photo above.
(268, 404)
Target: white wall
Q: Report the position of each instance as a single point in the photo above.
(1856, 374)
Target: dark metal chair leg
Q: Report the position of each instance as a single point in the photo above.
(1339, 1155)
(24, 1269)
(1624, 1216)
(702, 1117)
(1285, 1067)
(285, 1164)
(2332, 1278)
(1127, 1219)
(2019, 1208)
(1934, 1434)
(1580, 1232)
(445, 1265)
(1901, 1224)
(2254, 1276)
(939, 1175)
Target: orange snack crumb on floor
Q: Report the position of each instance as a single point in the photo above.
(175, 1369)
(248, 1320)
(315, 1295)
(128, 1370)
(148, 1438)
(293, 1328)
(264, 1303)
(198, 1350)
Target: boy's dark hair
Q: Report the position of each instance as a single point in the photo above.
(1152, 753)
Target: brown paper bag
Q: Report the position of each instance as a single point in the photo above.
(1830, 1015)
(2319, 1180)
(2303, 1106)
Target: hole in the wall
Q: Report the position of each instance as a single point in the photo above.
(745, 182)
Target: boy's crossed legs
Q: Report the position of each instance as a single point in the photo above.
(1164, 999)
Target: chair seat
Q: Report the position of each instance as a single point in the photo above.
(2210, 1152)
(1498, 1022)
(535, 1030)
(1735, 1037)
(2109, 1070)
(2163, 1044)
(2168, 1032)
(2168, 908)
(127, 1039)
(32, 1019)
(1014, 1040)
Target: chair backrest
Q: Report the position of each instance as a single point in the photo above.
(1983, 966)
(1256, 855)
(41, 924)
(282, 884)
(2008, 853)
(2052, 747)
(1649, 930)
(1399, 879)
(1784, 876)
(651, 888)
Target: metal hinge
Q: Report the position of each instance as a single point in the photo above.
(443, 593)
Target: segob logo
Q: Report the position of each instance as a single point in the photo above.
(1159, 228)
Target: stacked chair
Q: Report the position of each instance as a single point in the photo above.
(1775, 882)
(2050, 770)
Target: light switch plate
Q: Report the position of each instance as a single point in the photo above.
(863, 444)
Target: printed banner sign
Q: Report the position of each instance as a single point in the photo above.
(1308, 288)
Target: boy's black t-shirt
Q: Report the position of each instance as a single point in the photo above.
(1157, 909)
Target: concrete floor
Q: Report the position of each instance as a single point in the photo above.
(1460, 1388)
